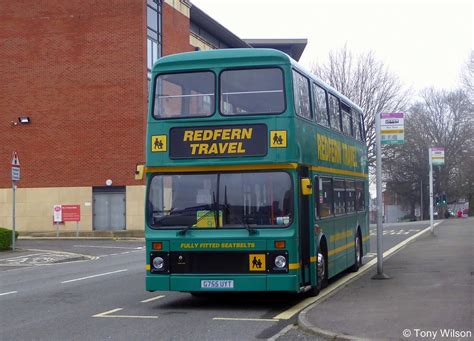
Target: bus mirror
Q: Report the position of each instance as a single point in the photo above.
(139, 171)
(306, 188)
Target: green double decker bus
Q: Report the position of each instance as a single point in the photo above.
(256, 175)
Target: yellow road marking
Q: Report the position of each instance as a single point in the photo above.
(287, 314)
(108, 314)
(152, 299)
(243, 319)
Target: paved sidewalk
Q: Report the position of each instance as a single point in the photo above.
(432, 288)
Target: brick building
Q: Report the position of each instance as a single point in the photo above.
(78, 71)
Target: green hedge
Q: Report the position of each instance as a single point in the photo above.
(6, 238)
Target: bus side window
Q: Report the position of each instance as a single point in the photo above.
(323, 197)
(339, 197)
(356, 125)
(362, 128)
(359, 196)
(320, 105)
(334, 112)
(346, 119)
(350, 196)
(301, 92)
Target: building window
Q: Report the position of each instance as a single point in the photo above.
(154, 12)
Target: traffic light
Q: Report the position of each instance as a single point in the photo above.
(437, 200)
(444, 199)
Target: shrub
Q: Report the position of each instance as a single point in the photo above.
(6, 238)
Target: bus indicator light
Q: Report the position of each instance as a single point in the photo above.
(280, 244)
(157, 246)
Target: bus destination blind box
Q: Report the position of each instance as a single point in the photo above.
(218, 141)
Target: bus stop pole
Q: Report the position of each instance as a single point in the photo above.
(430, 161)
(13, 215)
(378, 175)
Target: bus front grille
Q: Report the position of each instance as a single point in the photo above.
(211, 262)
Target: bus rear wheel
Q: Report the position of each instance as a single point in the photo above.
(357, 253)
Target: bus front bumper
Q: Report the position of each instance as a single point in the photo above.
(181, 282)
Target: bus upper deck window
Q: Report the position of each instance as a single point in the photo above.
(189, 94)
(252, 91)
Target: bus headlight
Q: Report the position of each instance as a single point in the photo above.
(158, 263)
(280, 262)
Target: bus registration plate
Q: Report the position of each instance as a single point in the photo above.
(217, 284)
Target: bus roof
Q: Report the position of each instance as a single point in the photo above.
(224, 55)
(244, 56)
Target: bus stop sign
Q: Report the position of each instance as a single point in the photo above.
(15, 167)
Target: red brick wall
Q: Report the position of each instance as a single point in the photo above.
(78, 70)
(175, 31)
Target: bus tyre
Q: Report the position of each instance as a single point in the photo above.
(321, 275)
(357, 253)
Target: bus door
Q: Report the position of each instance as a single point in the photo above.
(305, 224)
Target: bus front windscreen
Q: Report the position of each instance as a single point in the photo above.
(190, 94)
(220, 200)
(252, 91)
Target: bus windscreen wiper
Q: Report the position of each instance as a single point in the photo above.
(245, 222)
(212, 210)
(184, 230)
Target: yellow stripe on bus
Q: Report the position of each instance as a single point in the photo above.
(340, 249)
(312, 259)
(340, 235)
(147, 267)
(294, 266)
(338, 171)
(180, 169)
(366, 238)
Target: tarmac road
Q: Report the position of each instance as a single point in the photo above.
(103, 297)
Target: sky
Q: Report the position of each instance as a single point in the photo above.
(424, 42)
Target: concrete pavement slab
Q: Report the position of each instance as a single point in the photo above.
(431, 292)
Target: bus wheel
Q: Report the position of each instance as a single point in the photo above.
(321, 275)
(357, 253)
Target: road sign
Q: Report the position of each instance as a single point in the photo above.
(57, 214)
(15, 160)
(392, 128)
(437, 156)
(16, 174)
(15, 167)
(71, 212)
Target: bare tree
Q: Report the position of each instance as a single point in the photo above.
(440, 119)
(368, 83)
(467, 77)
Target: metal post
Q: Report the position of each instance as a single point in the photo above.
(430, 161)
(57, 230)
(13, 215)
(77, 229)
(421, 200)
(378, 173)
